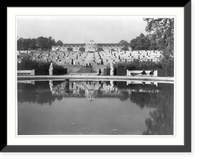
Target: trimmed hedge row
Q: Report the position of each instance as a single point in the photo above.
(165, 73)
(107, 71)
(59, 71)
(122, 67)
(46, 71)
(28, 64)
(137, 65)
(41, 72)
(121, 71)
(41, 67)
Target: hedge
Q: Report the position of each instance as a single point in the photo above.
(46, 71)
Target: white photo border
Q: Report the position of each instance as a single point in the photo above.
(177, 139)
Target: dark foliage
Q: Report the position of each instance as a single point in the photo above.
(28, 64)
(138, 65)
(141, 42)
(41, 42)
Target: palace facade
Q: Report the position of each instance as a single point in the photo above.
(90, 46)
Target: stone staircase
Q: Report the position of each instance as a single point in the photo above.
(72, 68)
(85, 69)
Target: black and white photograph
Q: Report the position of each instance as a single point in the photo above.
(95, 75)
(98, 79)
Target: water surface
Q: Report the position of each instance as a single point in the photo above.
(72, 107)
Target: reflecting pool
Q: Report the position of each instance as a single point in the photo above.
(79, 107)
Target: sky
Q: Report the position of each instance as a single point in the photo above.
(81, 29)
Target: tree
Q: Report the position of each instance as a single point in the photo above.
(125, 45)
(82, 49)
(59, 42)
(141, 42)
(32, 44)
(124, 42)
(40, 42)
(133, 43)
(26, 44)
(20, 43)
(162, 30)
(153, 42)
(125, 48)
(51, 42)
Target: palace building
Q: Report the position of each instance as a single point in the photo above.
(90, 46)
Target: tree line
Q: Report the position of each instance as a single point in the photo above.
(141, 42)
(160, 36)
(44, 43)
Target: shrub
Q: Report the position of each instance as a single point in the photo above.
(29, 64)
(137, 65)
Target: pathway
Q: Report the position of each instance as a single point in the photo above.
(86, 70)
(89, 58)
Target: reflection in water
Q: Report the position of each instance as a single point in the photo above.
(92, 89)
(89, 89)
(153, 99)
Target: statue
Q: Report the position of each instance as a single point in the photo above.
(51, 85)
(111, 69)
(51, 69)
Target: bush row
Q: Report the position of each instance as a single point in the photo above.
(122, 67)
(41, 68)
(137, 65)
(46, 71)
(28, 64)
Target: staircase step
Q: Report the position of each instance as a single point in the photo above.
(86, 70)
